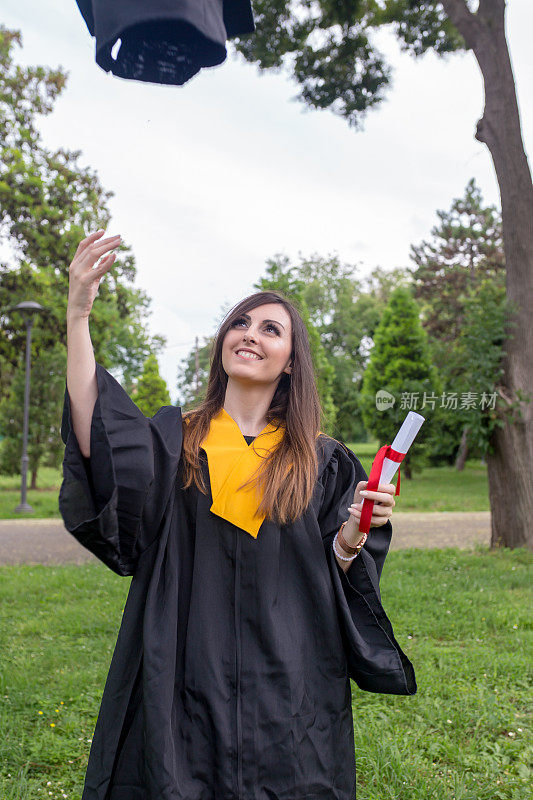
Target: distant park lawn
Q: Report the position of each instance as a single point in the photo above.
(433, 489)
(463, 618)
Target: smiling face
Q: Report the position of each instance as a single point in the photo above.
(266, 331)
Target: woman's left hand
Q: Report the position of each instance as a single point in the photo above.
(384, 502)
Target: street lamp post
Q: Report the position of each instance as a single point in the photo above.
(27, 308)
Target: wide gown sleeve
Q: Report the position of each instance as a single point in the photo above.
(114, 501)
(375, 660)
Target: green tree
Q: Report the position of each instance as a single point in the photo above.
(464, 252)
(465, 249)
(194, 373)
(48, 203)
(151, 391)
(47, 386)
(400, 364)
(327, 47)
(466, 422)
(357, 309)
(479, 352)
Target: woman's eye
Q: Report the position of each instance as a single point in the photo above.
(268, 327)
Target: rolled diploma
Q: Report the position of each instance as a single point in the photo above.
(402, 442)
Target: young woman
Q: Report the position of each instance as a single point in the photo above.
(247, 615)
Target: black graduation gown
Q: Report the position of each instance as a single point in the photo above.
(164, 41)
(230, 675)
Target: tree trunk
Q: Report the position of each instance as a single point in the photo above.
(511, 445)
(510, 489)
(462, 453)
(33, 479)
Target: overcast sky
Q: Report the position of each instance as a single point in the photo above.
(214, 177)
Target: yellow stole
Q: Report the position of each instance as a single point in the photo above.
(231, 462)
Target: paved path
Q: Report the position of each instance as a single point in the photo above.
(46, 541)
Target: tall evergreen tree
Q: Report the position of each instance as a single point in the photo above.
(400, 364)
(151, 391)
(464, 253)
(465, 249)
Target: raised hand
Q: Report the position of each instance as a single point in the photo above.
(84, 277)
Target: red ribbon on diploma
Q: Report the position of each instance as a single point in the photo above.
(373, 482)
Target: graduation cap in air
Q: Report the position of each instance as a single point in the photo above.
(164, 41)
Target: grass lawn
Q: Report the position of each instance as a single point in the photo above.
(433, 489)
(43, 500)
(463, 618)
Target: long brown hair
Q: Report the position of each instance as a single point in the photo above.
(295, 404)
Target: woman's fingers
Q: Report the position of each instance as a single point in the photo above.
(90, 249)
(105, 263)
(386, 495)
(376, 519)
(99, 248)
(378, 511)
(89, 240)
(93, 253)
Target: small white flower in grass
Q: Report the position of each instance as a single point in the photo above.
(409, 637)
(511, 733)
(48, 783)
(515, 626)
(519, 730)
(448, 720)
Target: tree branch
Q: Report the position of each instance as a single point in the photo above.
(491, 9)
(506, 397)
(463, 19)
